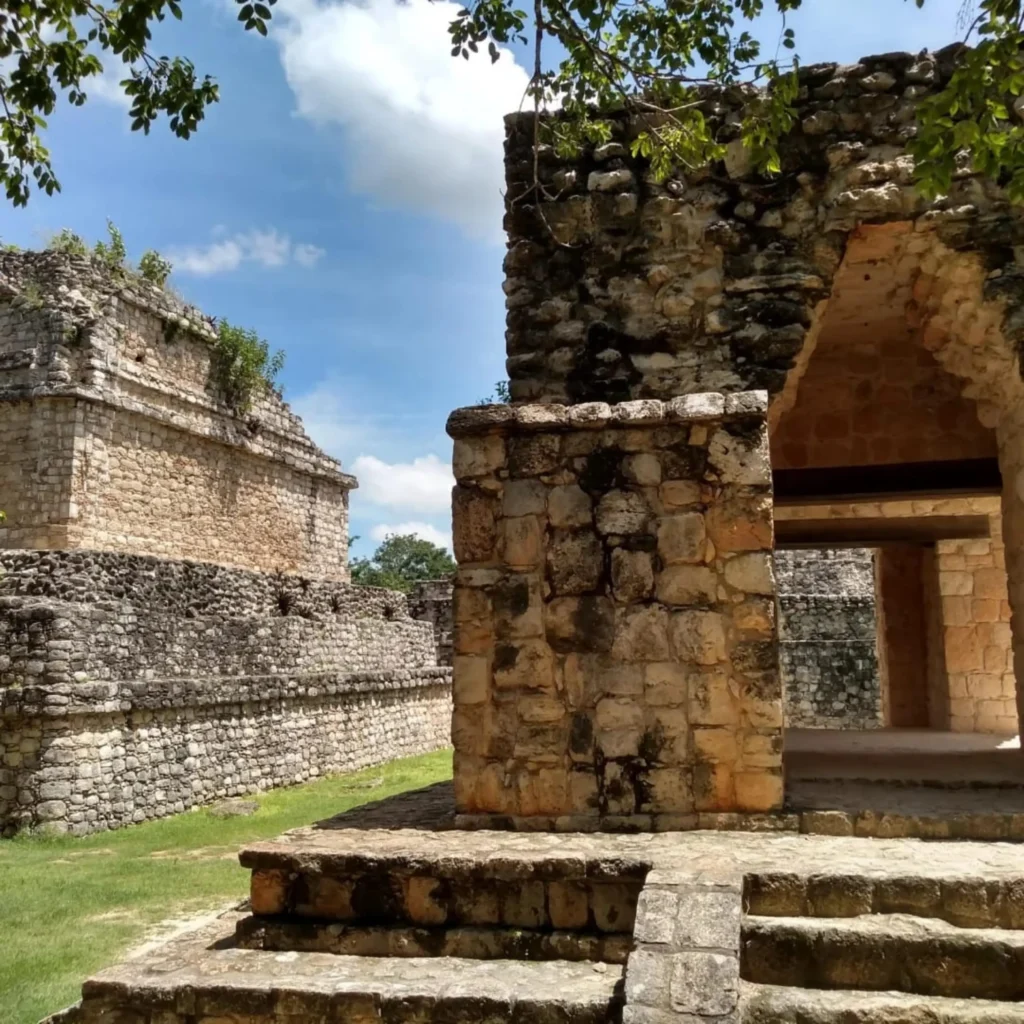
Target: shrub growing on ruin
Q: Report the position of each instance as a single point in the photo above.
(112, 254)
(67, 241)
(242, 366)
(154, 268)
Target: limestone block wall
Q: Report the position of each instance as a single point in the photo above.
(117, 434)
(132, 687)
(615, 639)
(977, 648)
(828, 652)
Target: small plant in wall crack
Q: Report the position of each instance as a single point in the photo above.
(243, 367)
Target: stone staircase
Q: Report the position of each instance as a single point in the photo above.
(560, 909)
(846, 949)
(419, 927)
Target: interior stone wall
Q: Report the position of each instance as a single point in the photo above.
(903, 635)
(977, 642)
(117, 434)
(132, 687)
(966, 617)
(828, 652)
(615, 640)
(870, 393)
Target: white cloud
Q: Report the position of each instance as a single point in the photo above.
(425, 531)
(423, 130)
(265, 248)
(106, 86)
(423, 485)
(327, 416)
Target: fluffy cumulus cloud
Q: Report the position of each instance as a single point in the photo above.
(327, 415)
(107, 87)
(422, 130)
(423, 485)
(262, 248)
(425, 531)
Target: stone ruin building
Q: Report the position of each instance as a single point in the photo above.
(708, 374)
(176, 618)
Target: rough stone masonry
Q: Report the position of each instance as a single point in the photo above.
(176, 623)
(615, 651)
(880, 329)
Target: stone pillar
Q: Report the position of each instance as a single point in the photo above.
(935, 642)
(1011, 464)
(616, 651)
(902, 635)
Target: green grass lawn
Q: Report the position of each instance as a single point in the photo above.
(70, 906)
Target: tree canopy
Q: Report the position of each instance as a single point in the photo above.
(400, 561)
(648, 56)
(652, 57)
(54, 47)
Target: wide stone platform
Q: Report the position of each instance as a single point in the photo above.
(415, 925)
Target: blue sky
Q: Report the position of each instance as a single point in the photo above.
(343, 199)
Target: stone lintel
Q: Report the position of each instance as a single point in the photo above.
(700, 408)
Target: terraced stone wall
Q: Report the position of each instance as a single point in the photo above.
(615, 638)
(133, 687)
(117, 433)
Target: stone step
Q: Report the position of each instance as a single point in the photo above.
(964, 900)
(777, 1004)
(884, 952)
(193, 980)
(495, 943)
(536, 887)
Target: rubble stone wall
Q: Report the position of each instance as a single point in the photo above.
(132, 687)
(149, 751)
(615, 639)
(828, 639)
(431, 601)
(117, 434)
(628, 287)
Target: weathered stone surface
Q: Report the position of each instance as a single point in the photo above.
(623, 512)
(604, 624)
(704, 983)
(774, 1004)
(887, 953)
(136, 383)
(681, 538)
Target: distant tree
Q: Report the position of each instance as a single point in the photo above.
(400, 561)
(53, 47)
